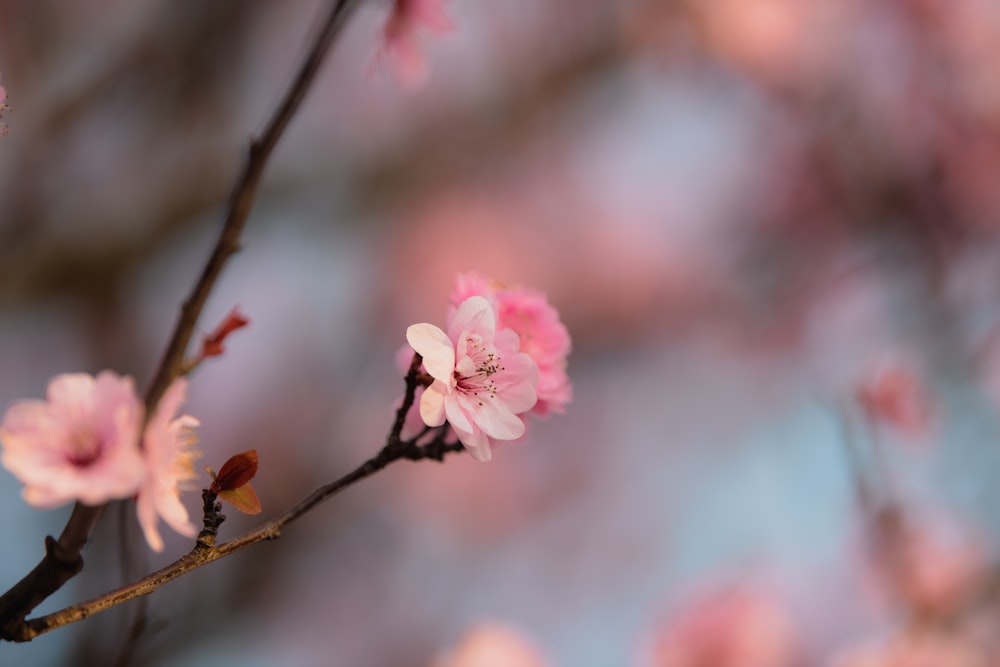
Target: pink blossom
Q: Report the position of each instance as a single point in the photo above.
(491, 645)
(937, 570)
(733, 628)
(400, 47)
(917, 650)
(81, 444)
(168, 464)
(543, 336)
(482, 382)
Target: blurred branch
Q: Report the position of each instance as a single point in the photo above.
(205, 551)
(241, 202)
(62, 559)
(173, 59)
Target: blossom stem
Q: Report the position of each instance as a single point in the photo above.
(205, 551)
(63, 560)
(414, 378)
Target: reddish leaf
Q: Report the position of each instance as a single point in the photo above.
(236, 472)
(212, 344)
(897, 396)
(244, 499)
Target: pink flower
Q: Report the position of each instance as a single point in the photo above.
(731, 628)
(491, 645)
(916, 650)
(80, 444)
(938, 569)
(482, 382)
(543, 336)
(400, 47)
(168, 463)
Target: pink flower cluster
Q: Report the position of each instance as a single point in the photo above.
(83, 444)
(733, 627)
(543, 336)
(504, 354)
(399, 46)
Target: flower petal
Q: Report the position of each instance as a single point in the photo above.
(493, 417)
(477, 443)
(458, 412)
(148, 520)
(435, 347)
(474, 315)
(432, 405)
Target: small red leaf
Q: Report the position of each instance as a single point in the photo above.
(212, 344)
(236, 472)
(244, 499)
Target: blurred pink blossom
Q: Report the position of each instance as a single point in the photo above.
(481, 381)
(168, 464)
(780, 41)
(80, 444)
(400, 47)
(918, 650)
(940, 571)
(543, 335)
(491, 645)
(735, 628)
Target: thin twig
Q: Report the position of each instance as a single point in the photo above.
(63, 560)
(203, 553)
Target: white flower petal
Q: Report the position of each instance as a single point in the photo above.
(435, 347)
(432, 405)
(477, 443)
(175, 514)
(148, 520)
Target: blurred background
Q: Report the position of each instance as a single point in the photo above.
(771, 227)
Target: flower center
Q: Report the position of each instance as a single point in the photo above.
(474, 373)
(85, 448)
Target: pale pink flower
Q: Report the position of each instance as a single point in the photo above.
(400, 46)
(733, 628)
(543, 336)
(81, 444)
(923, 649)
(939, 571)
(166, 447)
(491, 645)
(482, 382)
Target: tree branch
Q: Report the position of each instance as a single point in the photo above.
(63, 560)
(205, 552)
